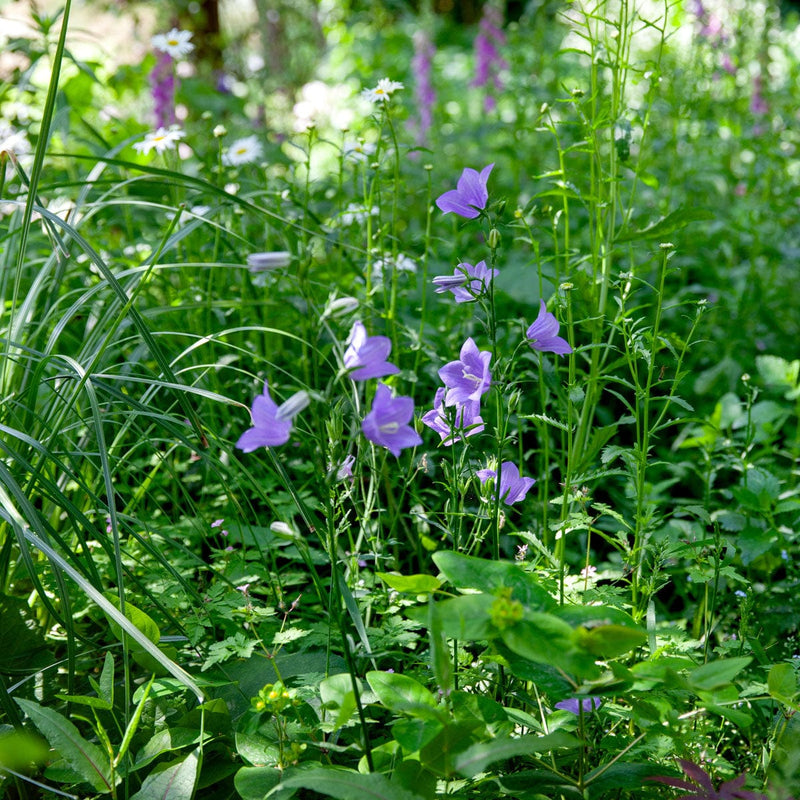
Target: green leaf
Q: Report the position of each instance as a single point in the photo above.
(543, 638)
(467, 617)
(139, 618)
(476, 758)
(468, 572)
(346, 784)
(610, 641)
(672, 222)
(173, 781)
(717, 673)
(253, 783)
(620, 775)
(337, 693)
(85, 758)
(413, 584)
(167, 741)
(22, 648)
(413, 734)
(738, 718)
(782, 683)
(402, 694)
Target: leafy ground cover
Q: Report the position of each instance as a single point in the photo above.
(426, 423)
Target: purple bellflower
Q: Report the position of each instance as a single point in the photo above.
(467, 283)
(513, 488)
(271, 423)
(575, 704)
(464, 420)
(469, 377)
(470, 196)
(387, 423)
(543, 334)
(366, 355)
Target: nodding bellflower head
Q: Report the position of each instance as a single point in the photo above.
(456, 423)
(513, 487)
(470, 196)
(366, 355)
(543, 334)
(577, 704)
(467, 283)
(271, 423)
(469, 377)
(387, 423)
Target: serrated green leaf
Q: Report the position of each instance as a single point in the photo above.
(175, 781)
(85, 758)
(477, 757)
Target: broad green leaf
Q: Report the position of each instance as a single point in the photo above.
(620, 775)
(476, 758)
(782, 683)
(22, 648)
(345, 784)
(403, 694)
(717, 673)
(543, 638)
(144, 622)
(778, 371)
(338, 695)
(20, 749)
(414, 584)
(85, 758)
(734, 715)
(468, 572)
(610, 641)
(167, 741)
(173, 781)
(440, 753)
(441, 662)
(467, 617)
(413, 734)
(253, 783)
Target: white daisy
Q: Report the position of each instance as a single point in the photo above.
(359, 151)
(242, 151)
(160, 140)
(382, 92)
(176, 43)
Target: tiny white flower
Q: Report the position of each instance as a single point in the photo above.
(160, 140)
(355, 213)
(176, 43)
(382, 92)
(242, 151)
(402, 264)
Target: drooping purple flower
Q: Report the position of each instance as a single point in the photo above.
(162, 88)
(424, 94)
(467, 283)
(575, 704)
(543, 334)
(469, 377)
(513, 487)
(387, 423)
(366, 355)
(470, 196)
(702, 787)
(488, 61)
(453, 425)
(271, 423)
(345, 468)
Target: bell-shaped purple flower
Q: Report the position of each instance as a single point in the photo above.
(470, 196)
(387, 423)
(577, 704)
(543, 334)
(366, 355)
(271, 423)
(469, 377)
(513, 487)
(464, 420)
(467, 283)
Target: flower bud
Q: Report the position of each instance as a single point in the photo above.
(262, 262)
(494, 238)
(293, 406)
(220, 131)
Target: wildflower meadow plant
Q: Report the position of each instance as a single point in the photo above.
(467, 283)
(543, 336)
(160, 140)
(488, 61)
(387, 424)
(424, 93)
(513, 487)
(243, 151)
(468, 378)
(366, 356)
(272, 423)
(176, 44)
(382, 91)
(470, 196)
(453, 423)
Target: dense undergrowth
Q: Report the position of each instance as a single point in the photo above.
(430, 428)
